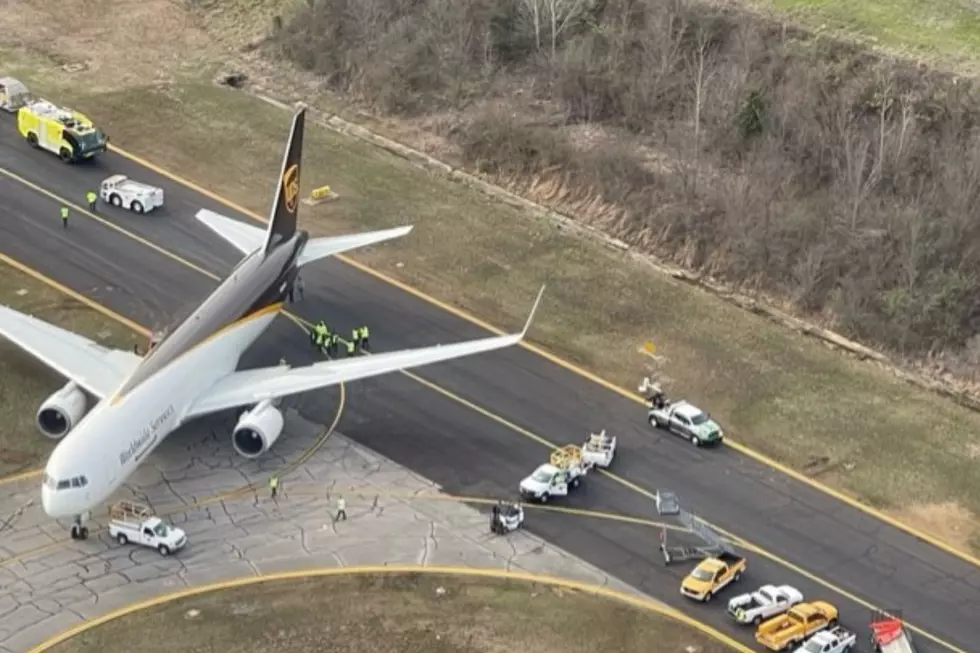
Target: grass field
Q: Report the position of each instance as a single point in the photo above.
(946, 31)
(395, 614)
(854, 426)
(24, 382)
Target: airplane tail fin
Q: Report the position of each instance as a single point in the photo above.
(282, 220)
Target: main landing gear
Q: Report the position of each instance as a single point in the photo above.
(78, 529)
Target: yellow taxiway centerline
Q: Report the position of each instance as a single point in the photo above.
(572, 367)
(596, 590)
(479, 409)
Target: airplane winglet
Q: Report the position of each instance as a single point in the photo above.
(534, 309)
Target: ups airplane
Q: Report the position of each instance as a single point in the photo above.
(192, 370)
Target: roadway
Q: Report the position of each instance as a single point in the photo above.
(476, 427)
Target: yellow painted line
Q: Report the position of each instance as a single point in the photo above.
(21, 476)
(79, 297)
(572, 367)
(639, 602)
(367, 492)
(622, 481)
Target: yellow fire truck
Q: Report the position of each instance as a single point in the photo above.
(67, 133)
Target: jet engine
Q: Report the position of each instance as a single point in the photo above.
(257, 430)
(62, 411)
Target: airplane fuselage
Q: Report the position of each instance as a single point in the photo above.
(111, 441)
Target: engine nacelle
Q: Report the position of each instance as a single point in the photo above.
(62, 411)
(257, 430)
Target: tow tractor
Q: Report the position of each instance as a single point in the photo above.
(888, 634)
(133, 522)
(506, 518)
(600, 449)
(555, 478)
(135, 196)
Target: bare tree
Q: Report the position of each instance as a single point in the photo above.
(701, 74)
(561, 13)
(530, 13)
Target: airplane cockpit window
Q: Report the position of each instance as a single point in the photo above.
(83, 480)
(49, 482)
(64, 485)
(76, 482)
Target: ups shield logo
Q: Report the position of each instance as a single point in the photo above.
(290, 187)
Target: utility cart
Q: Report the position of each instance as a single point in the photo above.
(599, 449)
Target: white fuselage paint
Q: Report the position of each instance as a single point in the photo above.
(113, 439)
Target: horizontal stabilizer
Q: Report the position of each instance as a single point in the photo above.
(243, 236)
(317, 248)
(253, 386)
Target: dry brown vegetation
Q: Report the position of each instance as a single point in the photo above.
(403, 613)
(839, 182)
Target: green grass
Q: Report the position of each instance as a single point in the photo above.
(24, 382)
(785, 395)
(936, 29)
(402, 613)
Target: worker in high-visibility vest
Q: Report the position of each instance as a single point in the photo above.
(365, 334)
(90, 197)
(64, 217)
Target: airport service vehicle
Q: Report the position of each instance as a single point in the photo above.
(193, 370)
(888, 634)
(65, 132)
(713, 575)
(795, 625)
(135, 196)
(834, 640)
(767, 601)
(555, 478)
(600, 449)
(687, 421)
(506, 519)
(133, 522)
(13, 94)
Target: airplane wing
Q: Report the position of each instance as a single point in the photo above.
(252, 386)
(98, 369)
(248, 238)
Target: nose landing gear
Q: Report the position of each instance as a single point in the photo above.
(78, 529)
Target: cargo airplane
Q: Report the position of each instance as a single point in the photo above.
(192, 370)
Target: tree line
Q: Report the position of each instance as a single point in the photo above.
(798, 167)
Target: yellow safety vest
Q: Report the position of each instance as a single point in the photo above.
(274, 482)
(90, 196)
(355, 333)
(364, 331)
(64, 211)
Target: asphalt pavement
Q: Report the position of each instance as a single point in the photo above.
(818, 540)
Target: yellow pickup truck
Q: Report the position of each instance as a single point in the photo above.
(712, 576)
(791, 628)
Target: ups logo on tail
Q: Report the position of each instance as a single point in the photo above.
(290, 187)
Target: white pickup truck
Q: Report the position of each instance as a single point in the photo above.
(132, 522)
(834, 640)
(599, 449)
(767, 601)
(121, 191)
(555, 478)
